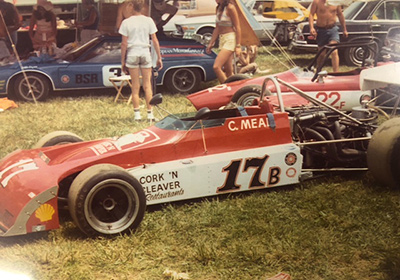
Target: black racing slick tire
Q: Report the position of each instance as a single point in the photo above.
(106, 200)
(39, 84)
(383, 155)
(57, 138)
(246, 95)
(183, 80)
(236, 77)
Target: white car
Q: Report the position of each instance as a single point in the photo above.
(204, 25)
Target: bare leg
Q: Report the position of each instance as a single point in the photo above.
(335, 58)
(146, 82)
(228, 67)
(135, 81)
(222, 57)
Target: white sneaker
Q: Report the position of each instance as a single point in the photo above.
(138, 117)
(150, 116)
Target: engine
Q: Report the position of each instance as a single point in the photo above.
(329, 139)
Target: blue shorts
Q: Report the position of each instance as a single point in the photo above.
(325, 36)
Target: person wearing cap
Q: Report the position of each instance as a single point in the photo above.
(158, 9)
(90, 24)
(135, 54)
(228, 31)
(44, 38)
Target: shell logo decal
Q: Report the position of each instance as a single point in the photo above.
(45, 212)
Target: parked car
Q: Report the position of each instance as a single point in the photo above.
(340, 90)
(106, 184)
(391, 48)
(365, 21)
(204, 25)
(186, 64)
(189, 9)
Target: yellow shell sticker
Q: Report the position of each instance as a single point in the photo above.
(45, 212)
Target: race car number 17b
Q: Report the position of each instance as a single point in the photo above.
(233, 169)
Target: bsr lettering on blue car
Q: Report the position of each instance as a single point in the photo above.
(86, 78)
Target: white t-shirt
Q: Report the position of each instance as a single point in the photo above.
(138, 29)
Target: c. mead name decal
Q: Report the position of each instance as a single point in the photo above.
(249, 123)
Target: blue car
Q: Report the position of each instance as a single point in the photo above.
(90, 66)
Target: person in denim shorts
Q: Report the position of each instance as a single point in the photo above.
(135, 53)
(326, 31)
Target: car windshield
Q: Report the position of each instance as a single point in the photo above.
(76, 53)
(352, 10)
(106, 52)
(187, 121)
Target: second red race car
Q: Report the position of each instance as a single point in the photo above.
(340, 90)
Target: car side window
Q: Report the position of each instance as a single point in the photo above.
(108, 52)
(379, 13)
(393, 10)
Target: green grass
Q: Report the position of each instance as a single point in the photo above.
(341, 227)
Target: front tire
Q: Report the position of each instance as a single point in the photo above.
(207, 32)
(246, 95)
(383, 155)
(39, 84)
(57, 138)
(183, 80)
(106, 200)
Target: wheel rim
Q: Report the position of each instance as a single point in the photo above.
(247, 99)
(37, 86)
(111, 206)
(357, 54)
(183, 80)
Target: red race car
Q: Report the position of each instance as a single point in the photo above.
(340, 90)
(106, 184)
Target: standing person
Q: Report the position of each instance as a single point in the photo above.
(158, 9)
(4, 52)
(326, 31)
(124, 13)
(12, 20)
(90, 22)
(135, 53)
(228, 30)
(44, 38)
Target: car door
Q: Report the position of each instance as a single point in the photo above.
(385, 16)
(94, 68)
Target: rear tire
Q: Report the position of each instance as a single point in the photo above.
(246, 95)
(383, 155)
(183, 80)
(106, 200)
(57, 138)
(354, 56)
(236, 77)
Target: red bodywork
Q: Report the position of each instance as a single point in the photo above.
(221, 95)
(30, 180)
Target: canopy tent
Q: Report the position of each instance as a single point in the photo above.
(248, 24)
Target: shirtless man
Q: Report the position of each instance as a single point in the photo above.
(326, 30)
